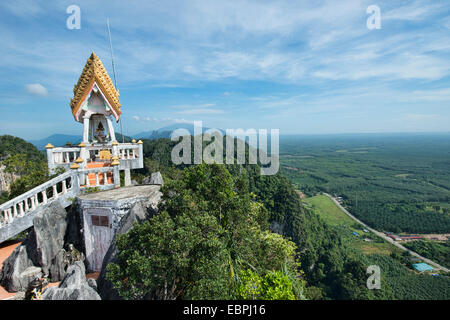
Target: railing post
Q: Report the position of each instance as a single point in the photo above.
(97, 183)
(33, 205)
(105, 178)
(55, 192)
(76, 183)
(10, 218)
(21, 209)
(64, 186)
(115, 148)
(84, 154)
(15, 210)
(116, 174)
(141, 154)
(44, 196)
(50, 159)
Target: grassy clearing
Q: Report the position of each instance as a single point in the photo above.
(332, 215)
(328, 211)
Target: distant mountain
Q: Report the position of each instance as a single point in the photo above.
(57, 140)
(165, 132)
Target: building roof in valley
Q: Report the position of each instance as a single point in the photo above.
(95, 72)
(422, 267)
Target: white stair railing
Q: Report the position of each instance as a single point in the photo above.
(36, 197)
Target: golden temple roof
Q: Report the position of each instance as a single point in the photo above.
(94, 71)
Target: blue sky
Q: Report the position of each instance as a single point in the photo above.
(300, 66)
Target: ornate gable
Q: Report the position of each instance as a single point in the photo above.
(95, 72)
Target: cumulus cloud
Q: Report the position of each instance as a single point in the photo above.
(36, 89)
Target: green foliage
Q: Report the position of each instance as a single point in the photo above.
(4, 196)
(208, 231)
(408, 285)
(91, 190)
(436, 251)
(313, 293)
(10, 146)
(272, 286)
(25, 161)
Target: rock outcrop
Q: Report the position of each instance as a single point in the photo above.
(155, 178)
(6, 179)
(24, 256)
(73, 286)
(43, 248)
(139, 213)
(50, 228)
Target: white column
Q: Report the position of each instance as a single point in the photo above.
(127, 177)
(44, 197)
(21, 208)
(112, 135)
(86, 129)
(50, 160)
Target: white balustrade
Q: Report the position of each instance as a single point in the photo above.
(29, 201)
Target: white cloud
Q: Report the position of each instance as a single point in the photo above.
(418, 10)
(36, 89)
(201, 111)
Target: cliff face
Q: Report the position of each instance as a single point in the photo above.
(6, 179)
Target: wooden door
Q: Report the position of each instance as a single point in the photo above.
(98, 236)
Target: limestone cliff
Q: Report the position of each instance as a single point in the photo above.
(6, 179)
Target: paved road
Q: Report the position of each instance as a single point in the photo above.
(385, 237)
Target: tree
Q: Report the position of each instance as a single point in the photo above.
(209, 229)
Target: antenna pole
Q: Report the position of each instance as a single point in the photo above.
(114, 72)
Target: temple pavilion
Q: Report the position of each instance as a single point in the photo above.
(96, 105)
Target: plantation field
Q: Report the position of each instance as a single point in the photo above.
(396, 182)
(396, 273)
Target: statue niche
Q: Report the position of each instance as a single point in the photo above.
(100, 133)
